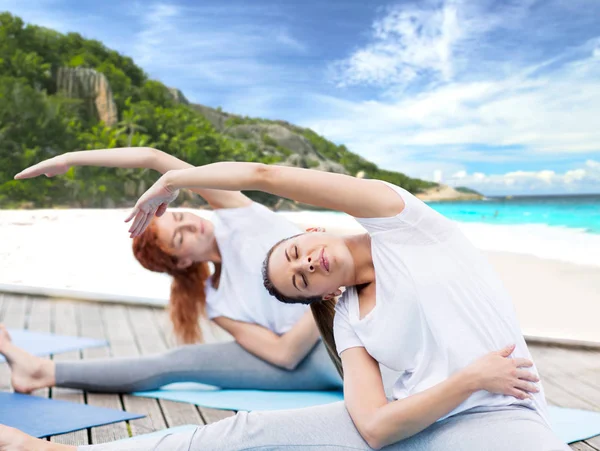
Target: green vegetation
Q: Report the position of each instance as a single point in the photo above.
(464, 189)
(39, 120)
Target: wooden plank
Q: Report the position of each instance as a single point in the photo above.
(151, 340)
(123, 344)
(582, 446)
(565, 370)
(67, 323)
(582, 365)
(161, 317)
(214, 415)
(14, 316)
(90, 317)
(2, 303)
(40, 320)
(16, 311)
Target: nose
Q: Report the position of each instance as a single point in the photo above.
(191, 226)
(310, 264)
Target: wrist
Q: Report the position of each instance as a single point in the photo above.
(170, 181)
(69, 158)
(472, 380)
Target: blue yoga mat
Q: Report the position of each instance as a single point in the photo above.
(42, 417)
(571, 425)
(42, 344)
(574, 425)
(207, 396)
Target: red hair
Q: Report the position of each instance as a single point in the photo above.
(188, 297)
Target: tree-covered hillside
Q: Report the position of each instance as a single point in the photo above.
(62, 92)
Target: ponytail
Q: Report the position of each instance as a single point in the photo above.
(323, 313)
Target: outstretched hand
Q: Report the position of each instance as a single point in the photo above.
(153, 202)
(50, 167)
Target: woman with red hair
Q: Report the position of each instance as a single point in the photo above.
(275, 346)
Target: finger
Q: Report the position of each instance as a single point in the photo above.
(519, 394)
(523, 363)
(527, 386)
(505, 352)
(145, 224)
(136, 222)
(141, 217)
(140, 223)
(527, 375)
(27, 173)
(161, 210)
(132, 214)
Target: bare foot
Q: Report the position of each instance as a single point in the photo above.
(28, 371)
(14, 440)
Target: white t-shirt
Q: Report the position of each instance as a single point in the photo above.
(244, 236)
(439, 305)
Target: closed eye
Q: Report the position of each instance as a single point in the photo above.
(296, 247)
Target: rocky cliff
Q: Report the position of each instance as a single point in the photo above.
(92, 87)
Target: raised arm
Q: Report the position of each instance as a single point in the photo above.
(131, 158)
(285, 351)
(382, 423)
(357, 197)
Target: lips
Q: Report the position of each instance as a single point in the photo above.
(323, 260)
(201, 227)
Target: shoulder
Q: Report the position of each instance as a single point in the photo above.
(342, 307)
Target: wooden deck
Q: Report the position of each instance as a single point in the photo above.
(571, 377)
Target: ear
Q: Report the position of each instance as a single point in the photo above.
(315, 229)
(184, 263)
(329, 296)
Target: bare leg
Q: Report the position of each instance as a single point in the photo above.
(28, 372)
(14, 440)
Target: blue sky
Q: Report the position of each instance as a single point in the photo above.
(501, 96)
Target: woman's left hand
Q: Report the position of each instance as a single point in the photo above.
(153, 202)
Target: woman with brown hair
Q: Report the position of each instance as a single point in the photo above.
(276, 346)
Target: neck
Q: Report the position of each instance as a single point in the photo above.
(360, 249)
(214, 253)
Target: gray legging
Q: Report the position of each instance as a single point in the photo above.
(330, 427)
(226, 365)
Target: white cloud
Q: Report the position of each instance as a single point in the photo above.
(407, 41)
(451, 94)
(585, 179)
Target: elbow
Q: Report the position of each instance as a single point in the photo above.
(285, 361)
(263, 175)
(290, 365)
(371, 434)
(152, 158)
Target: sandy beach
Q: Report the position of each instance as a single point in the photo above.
(87, 253)
(553, 299)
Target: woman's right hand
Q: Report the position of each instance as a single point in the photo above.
(50, 167)
(496, 372)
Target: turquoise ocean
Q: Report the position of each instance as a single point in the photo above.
(578, 212)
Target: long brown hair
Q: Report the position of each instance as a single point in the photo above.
(323, 311)
(187, 302)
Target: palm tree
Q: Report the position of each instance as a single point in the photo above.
(129, 123)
